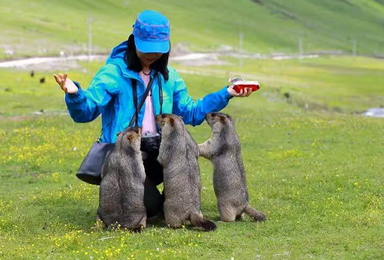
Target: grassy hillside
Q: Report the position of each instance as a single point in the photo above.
(314, 166)
(41, 27)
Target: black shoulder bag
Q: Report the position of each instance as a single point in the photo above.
(90, 168)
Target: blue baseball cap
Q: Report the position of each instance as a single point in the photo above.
(151, 31)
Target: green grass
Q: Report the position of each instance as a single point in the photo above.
(29, 27)
(316, 173)
(339, 84)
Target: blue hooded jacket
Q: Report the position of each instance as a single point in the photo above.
(110, 94)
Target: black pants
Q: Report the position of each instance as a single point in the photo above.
(153, 200)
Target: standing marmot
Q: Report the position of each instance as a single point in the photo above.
(224, 151)
(121, 200)
(179, 157)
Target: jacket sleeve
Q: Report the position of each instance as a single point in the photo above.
(193, 112)
(85, 106)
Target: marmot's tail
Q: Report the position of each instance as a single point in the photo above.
(257, 215)
(198, 221)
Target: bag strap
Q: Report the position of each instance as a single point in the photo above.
(135, 117)
(160, 92)
(134, 93)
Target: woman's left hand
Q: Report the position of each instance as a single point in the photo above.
(243, 93)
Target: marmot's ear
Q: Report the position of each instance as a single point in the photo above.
(118, 134)
(172, 121)
(181, 118)
(130, 137)
(223, 119)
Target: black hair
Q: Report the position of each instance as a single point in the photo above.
(133, 61)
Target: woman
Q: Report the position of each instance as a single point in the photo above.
(126, 75)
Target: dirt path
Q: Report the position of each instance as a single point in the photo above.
(50, 63)
(189, 59)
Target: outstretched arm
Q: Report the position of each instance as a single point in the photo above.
(193, 112)
(85, 106)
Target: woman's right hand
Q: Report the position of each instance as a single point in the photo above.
(66, 84)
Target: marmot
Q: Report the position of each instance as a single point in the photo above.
(179, 157)
(224, 151)
(121, 201)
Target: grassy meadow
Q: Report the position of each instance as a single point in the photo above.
(315, 169)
